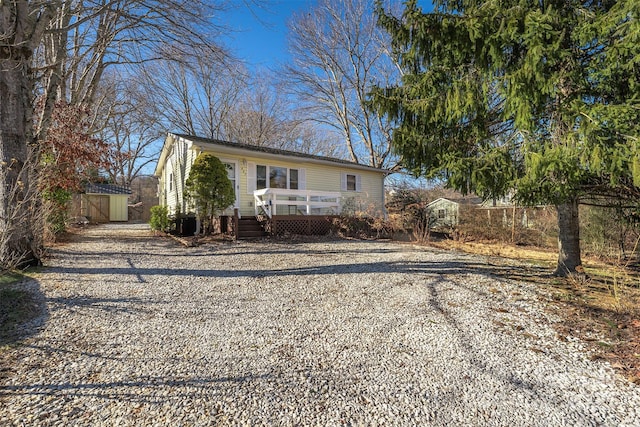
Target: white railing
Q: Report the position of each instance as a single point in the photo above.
(302, 202)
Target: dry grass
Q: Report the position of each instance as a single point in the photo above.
(17, 306)
(602, 308)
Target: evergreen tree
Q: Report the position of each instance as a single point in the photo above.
(540, 97)
(209, 187)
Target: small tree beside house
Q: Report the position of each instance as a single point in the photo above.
(209, 189)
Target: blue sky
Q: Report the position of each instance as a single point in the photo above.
(259, 38)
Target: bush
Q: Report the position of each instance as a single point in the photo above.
(209, 187)
(361, 227)
(611, 232)
(533, 226)
(159, 218)
(56, 205)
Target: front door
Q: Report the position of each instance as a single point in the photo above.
(232, 173)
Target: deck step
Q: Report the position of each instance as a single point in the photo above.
(250, 228)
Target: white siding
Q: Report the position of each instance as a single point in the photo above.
(174, 176)
(312, 176)
(448, 208)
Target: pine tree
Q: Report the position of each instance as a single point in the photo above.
(540, 97)
(209, 187)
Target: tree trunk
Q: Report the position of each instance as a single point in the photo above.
(16, 236)
(568, 240)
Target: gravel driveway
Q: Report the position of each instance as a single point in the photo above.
(141, 331)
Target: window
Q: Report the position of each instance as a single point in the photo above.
(171, 182)
(261, 177)
(350, 182)
(441, 213)
(277, 177)
(293, 179)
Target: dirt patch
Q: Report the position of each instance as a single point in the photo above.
(609, 325)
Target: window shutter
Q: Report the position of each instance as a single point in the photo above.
(302, 179)
(251, 177)
(358, 183)
(343, 182)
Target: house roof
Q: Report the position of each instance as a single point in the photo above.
(206, 144)
(92, 188)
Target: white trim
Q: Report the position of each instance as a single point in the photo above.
(236, 189)
(252, 176)
(344, 182)
(302, 179)
(266, 200)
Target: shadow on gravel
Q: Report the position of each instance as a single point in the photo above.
(114, 390)
(23, 313)
(428, 268)
(222, 249)
(478, 356)
(23, 310)
(109, 305)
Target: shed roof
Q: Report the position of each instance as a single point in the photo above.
(457, 201)
(92, 188)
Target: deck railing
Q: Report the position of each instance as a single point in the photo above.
(298, 202)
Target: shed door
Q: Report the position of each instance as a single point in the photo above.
(98, 209)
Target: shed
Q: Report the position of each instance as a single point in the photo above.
(105, 202)
(444, 213)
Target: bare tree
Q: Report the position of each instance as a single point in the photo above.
(193, 91)
(54, 50)
(339, 54)
(22, 25)
(265, 116)
(220, 100)
(260, 115)
(129, 126)
(308, 137)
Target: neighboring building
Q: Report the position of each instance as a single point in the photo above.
(444, 213)
(105, 203)
(270, 182)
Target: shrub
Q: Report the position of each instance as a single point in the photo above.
(159, 218)
(209, 187)
(56, 204)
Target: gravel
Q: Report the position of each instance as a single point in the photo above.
(140, 331)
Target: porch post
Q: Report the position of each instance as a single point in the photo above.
(236, 220)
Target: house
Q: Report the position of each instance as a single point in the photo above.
(287, 190)
(105, 203)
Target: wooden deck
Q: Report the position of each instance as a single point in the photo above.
(261, 225)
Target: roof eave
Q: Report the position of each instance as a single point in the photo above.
(226, 149)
